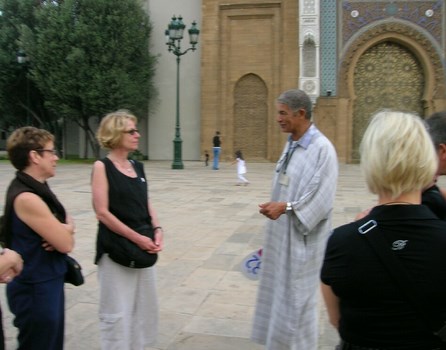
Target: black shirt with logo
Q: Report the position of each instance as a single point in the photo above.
(373, 310)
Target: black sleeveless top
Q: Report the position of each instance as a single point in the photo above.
(127, 199)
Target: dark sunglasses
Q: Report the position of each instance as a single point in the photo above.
(131, 131)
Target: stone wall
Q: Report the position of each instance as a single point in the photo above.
(248, 44)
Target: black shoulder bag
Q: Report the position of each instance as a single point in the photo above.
(403, 280)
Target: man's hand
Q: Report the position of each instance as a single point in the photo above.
(272, 210)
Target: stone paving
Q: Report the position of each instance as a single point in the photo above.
(210, 225)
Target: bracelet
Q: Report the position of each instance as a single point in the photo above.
(157, 228)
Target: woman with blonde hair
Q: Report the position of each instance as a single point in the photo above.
(364, 301)
(128, 306)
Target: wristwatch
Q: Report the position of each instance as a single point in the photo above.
(289, 207)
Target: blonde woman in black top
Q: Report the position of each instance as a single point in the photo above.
(128, 306)
(364, 302)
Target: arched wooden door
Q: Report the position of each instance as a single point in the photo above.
(251, 117)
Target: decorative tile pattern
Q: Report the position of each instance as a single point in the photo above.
(328, 48)
(426, 14)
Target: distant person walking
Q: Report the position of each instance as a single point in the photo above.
(217, 149)
(241, 169)
(206, 158)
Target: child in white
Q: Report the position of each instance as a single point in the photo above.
(241, 169)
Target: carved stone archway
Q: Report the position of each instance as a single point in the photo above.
(407, 37)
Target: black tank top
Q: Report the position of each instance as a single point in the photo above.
(127, 198)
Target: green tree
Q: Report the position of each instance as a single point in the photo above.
(20, 101)
(90, 57)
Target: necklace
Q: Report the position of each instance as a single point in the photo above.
(127, 167)
(392, 203)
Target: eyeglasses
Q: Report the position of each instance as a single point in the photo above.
(131, 131)
(53, 151)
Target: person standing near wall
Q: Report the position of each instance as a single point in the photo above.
(217, 149)
(206, 158)
(300, 210)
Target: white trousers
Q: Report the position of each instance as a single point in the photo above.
(128, 306)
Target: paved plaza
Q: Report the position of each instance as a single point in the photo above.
(210, 226)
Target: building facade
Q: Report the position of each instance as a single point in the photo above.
(374, 55)
(352, 57)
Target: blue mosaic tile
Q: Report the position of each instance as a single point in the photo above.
(328, 48)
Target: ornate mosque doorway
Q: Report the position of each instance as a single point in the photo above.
(387, 75)
(251, 117)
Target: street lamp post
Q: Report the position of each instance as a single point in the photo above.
(174, 35)
(22, 59)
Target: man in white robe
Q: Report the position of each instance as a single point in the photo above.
(300, 209)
